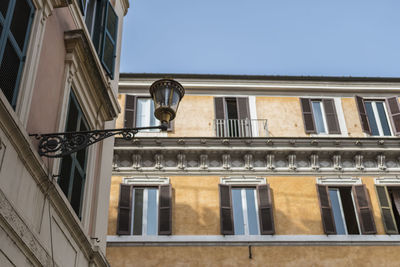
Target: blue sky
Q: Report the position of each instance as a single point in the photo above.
(263, 37)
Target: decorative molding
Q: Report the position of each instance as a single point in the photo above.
(270, 158)
(314, 162)
(292, 162)
(245, 180)
(248, 161)
(204, 161)
(381, 160)
(387, 180)
(337, 162)
(181, 161)
(339, 181)
(146, 180)
(136, 161)
(359, 161)
(226, 161)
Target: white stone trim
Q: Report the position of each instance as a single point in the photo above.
(338, 181)
(257, 240)
(244, 180)
(387, 180)
(146, 180)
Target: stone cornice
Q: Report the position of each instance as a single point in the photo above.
(270, 156)
(125, 6)
(81, 53)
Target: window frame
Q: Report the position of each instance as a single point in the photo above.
(323, 114)
(376, 115)
(149, 112)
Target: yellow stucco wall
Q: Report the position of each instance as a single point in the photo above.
(120, 120)
(283, 115)
(261, 256)
(351, 117)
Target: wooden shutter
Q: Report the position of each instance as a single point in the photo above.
(165, 210)
(243, 112)
(226, 213)
(331, 116)
(364, 209)
(124, 210)
(219, 108)
(265, 210)
(328, 221)
(308, 117)
(130, 115)
(110, 32)
(394, 111)
(363, 115)
(386, 210)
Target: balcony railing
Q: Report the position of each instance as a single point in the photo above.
(241, 128)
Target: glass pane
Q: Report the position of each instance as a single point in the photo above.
(371, 118)
(20, 22)
(137, 211)
(238, 220)
(65, 173)
(145, 113)
(319, 121)
(337, 211)
(9, 69)
(152, 210)
(382, 116)
(3, 7)
(252, 211)
(77, 192)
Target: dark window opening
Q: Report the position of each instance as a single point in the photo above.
(394, 194)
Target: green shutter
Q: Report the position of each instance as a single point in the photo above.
(109, 40)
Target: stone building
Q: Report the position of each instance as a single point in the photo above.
(259, 170)
(59, 69)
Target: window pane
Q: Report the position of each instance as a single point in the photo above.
(337, 211)
(238, 220)
(20, 22)
(252, 211)
(382, 116)
(9, 69)
(145, 113)
(65, 173)
(137, 211)
(319, 121)
(77, 192)
(371, 118)
(152, 210)
(3, 7)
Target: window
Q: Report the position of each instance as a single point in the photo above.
(246, 210)
(232, 117)
(379, 117)
(346, 210)
(15, 25)
(319, 116)
(389, 201)
(144, 210)
(73, 167)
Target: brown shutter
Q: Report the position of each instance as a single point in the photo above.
(124, 210)
(265, 210)
(219, 108)
(363, 115)
(386, 210)
(308, 117)
(364, 209)
(130, 104)
(243, 116)
(226, 213)
(394, 111)
(165, 210)
(331, 116)
(326, 210)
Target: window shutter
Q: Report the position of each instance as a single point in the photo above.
(124, 210)
(243, 116)
(165, 210)
(331, 116)
(226, 213)
(326, 210)
(394, 111)
(130, 116)
(110, 30)
(308, 117)
(363, 115)
(219, 108)
(265, 210)
(386, 210)
(364, 209)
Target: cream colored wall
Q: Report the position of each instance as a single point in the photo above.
(261, 256)
(121, 117)
(352, 118)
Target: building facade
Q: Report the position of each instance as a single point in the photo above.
(59, 69)
(258, 170)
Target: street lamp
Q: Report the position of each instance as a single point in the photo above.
(166, 94)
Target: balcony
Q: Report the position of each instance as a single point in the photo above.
(240, 128)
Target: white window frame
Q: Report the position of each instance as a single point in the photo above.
(244, 210)
(145, 209)
(323, 116)
(376, 115)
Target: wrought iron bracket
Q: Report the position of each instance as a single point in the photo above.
(57, 145)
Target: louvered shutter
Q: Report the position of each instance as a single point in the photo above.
(165, 210)
(226, 213)
(243, 116)
(364, 209)
(331, 116)
(124, 210)
(386, 210)
(110, 32)
(265, 210)
(130, 115)
(326, 210)
(394, 111)
(308, 117)
(363, 115)
(220, 126)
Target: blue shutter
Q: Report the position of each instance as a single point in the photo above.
(109, 42)
(15, 25)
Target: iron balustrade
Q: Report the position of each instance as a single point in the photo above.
(241, 128)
